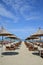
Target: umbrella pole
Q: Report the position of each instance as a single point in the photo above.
(40, 38)
(2, 41)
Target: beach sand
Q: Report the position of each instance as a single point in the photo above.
(21, 56)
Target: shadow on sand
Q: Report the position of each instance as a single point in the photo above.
(10, 53)
(36, 54)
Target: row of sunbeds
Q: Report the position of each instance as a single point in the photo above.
(13, 46)
(36, 46)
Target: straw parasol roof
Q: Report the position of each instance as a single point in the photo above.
(12, 37)
(31, 37)
(38, 33)
(3, 32)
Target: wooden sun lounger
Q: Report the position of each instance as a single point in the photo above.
(35, 47)
(27, 44)
(10, 48)
(31, 48)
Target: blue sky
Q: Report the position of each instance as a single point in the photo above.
(21, 17)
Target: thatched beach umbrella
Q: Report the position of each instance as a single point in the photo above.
(3, 32)
(13, 37)
(39, 33)
(31, 38)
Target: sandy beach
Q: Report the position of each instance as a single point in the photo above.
(21, 56)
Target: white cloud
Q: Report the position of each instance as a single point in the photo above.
(17, 4)
(8, 2)
(32, 18)
(26, 12)
(16, 8)
(8, 14)
(13, 2)
(25, 9)
(19, 1)
(30, 13)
